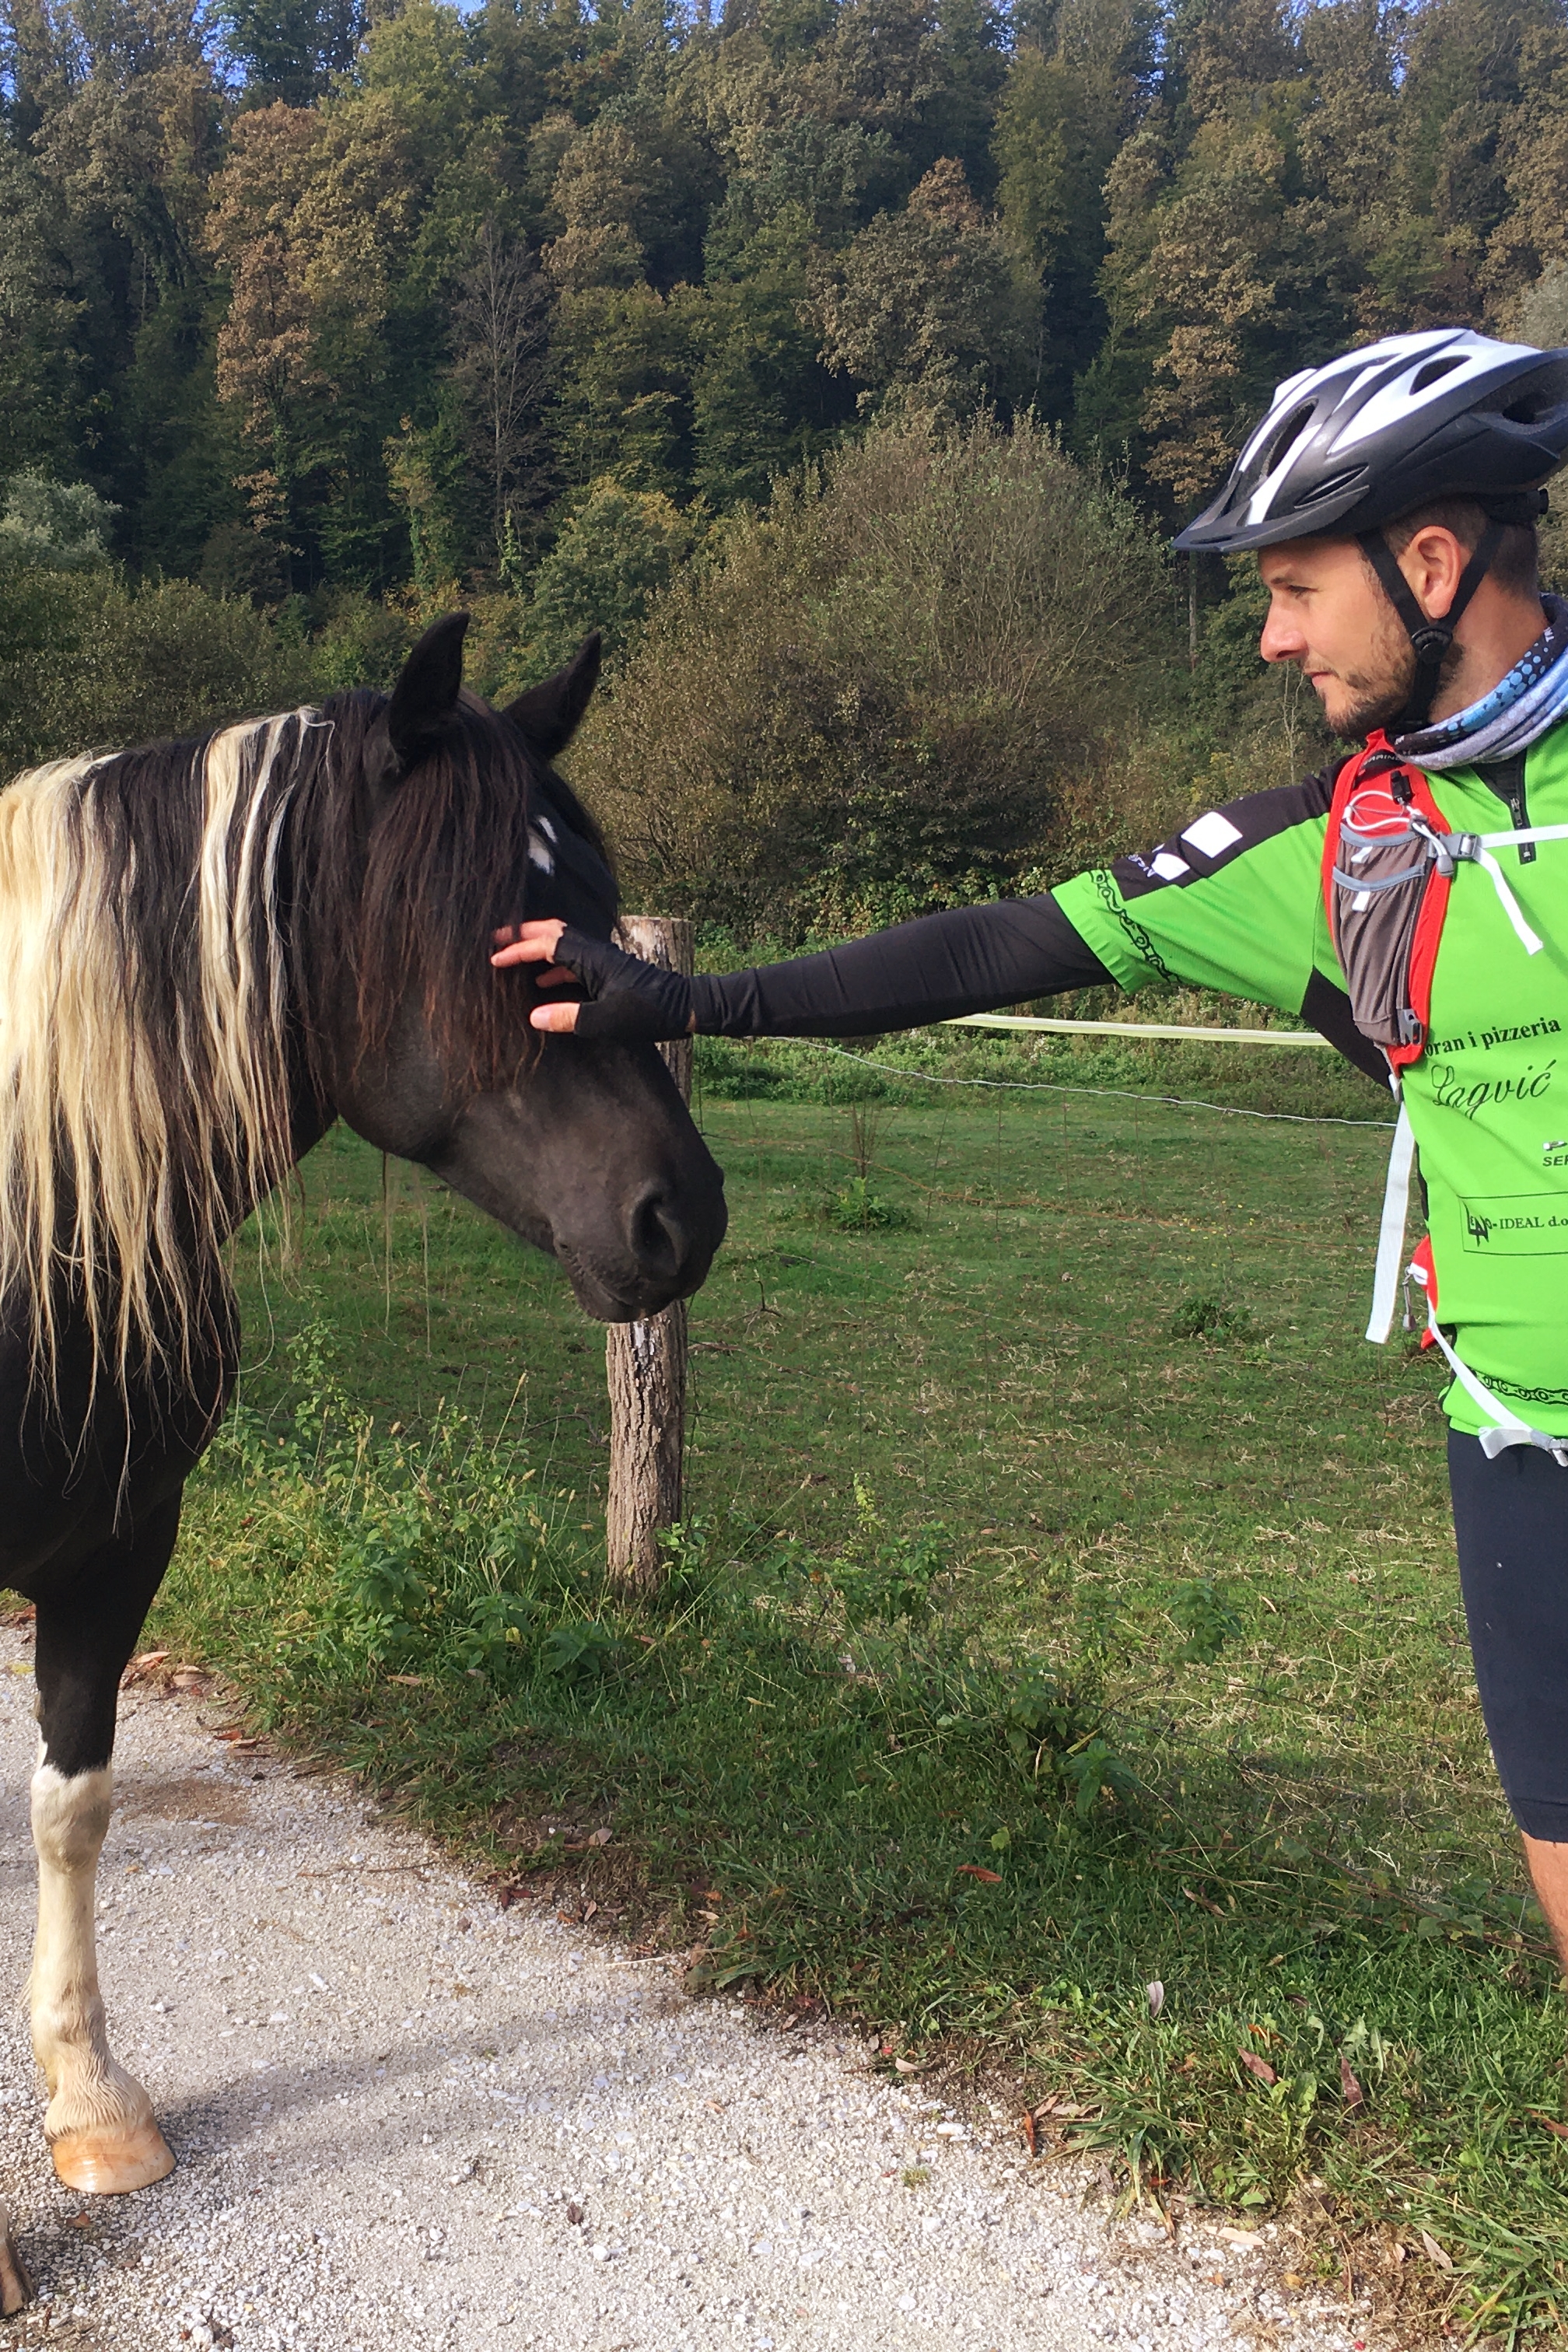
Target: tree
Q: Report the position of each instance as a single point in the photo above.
(761, 400)
(930, 303)
(499, 365)
(1063, 114)
(289, 50)
(616, 552)
(52, 525)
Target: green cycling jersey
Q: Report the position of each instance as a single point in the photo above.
(1235, 902)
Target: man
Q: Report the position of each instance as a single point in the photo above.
(1411, 903)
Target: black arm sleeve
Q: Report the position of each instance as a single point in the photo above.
(967, 960)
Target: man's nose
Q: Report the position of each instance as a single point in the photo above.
(1282, 635)
(1281, 639)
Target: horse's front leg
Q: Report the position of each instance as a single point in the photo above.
(99, 2121)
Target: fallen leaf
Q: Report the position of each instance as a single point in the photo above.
(601, 1837)
(1558, 2131)
(986, 1877)
(715, 2106)
(1244, 2238)
(907, 2065)
(1155, 1993)
(1031, 2137)
(1355, 2096)
(1256, 2066)
(412, 1682)
(574, 2214)
(589, 1911)
(1435, 2252)
(1292, 2278)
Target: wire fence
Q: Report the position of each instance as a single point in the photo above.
(1124, 1094)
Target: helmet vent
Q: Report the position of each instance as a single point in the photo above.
(1331, 489)
(1289, 433)
(1433, 372)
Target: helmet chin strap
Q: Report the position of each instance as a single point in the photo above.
(1431, 639)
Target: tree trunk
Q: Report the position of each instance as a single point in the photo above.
(644, 1363)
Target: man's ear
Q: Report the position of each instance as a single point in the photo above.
(425, 700)
(549, 715)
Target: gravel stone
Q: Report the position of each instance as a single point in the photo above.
(406, 2119)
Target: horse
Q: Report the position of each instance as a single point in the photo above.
(209, 950)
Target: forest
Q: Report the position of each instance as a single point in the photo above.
(314, 321)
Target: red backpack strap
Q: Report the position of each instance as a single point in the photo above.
(1379, 764)
(1345, 785)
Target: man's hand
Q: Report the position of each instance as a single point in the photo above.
(537, 944)
(628, 1001)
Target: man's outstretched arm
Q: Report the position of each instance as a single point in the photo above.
(966, 960)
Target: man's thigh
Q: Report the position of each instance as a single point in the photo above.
(1511, 1518)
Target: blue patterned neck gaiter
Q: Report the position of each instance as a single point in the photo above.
(1521, 707)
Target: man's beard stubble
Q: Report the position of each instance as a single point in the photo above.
(1384, 691)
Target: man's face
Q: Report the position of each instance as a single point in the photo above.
(1329, 616)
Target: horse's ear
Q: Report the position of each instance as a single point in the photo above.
(551, 714)
(425, 700)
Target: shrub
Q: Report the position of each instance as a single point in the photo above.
(87, 662)
(895, 690)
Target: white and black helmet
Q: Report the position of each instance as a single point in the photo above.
(1352, 444)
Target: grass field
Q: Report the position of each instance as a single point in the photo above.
(1066, 1605)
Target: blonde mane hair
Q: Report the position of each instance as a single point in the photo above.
(144, 1096)
(181, 927)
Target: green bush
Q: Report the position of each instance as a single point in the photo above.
(913, 679)
(89, 662)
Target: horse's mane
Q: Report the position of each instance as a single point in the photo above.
(174, 923)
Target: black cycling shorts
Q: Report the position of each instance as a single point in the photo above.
(1510, 1516)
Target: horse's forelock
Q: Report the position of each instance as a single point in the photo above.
(448, 854)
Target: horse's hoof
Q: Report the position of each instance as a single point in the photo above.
(15, 2287)
(110, 2163)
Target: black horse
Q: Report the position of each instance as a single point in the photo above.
(208, 952)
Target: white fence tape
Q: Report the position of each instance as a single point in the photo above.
(1136, 1029)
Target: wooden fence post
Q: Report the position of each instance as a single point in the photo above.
(644, 1363)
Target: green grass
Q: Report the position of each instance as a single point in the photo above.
(1067, 1603)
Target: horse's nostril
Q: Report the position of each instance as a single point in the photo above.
(658, 1244)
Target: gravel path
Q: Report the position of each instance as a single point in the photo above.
(404, 2118)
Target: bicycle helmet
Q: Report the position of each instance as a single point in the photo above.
(1349, 446)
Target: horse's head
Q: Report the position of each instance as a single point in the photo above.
(459, 821)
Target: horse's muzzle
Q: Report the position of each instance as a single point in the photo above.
(667, 1238)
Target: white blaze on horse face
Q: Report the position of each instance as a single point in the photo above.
(99, 2120)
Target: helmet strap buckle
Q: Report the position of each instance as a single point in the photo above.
(1431, 637)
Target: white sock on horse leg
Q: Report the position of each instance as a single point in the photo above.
(99, 2121)
(87, 2090)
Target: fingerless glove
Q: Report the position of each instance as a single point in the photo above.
(626, 999)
